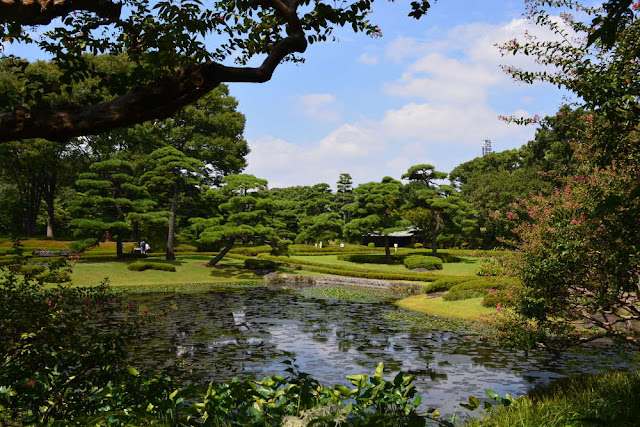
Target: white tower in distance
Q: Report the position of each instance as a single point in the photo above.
(486, 147)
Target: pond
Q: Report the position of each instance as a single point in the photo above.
(250, 332)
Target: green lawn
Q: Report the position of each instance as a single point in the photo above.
(468, 309)
(467, 267)
(190, 269)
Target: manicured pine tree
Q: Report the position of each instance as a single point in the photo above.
(110, 198)
(169, 171)
(376, 210)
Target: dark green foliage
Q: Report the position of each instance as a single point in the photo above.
(54, 277)
(355, 272)
(259, 264)
(446, 283)
(142, 266)
(609, 399)
(477, 287)
(421, 261)
(370, 259)
(31, 270)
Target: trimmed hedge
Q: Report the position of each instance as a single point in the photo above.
(422, 261)
(477, 287)
(370, 259)
(354, 272)
(259, 264)
(32, 270)
(251, 250)
(54, 277)
(446, 283)
(141, 266)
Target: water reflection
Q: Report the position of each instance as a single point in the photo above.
(248, 333)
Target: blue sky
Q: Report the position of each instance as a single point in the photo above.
(428, 91)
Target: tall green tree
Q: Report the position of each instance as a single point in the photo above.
(244, 215)
(169, 171)
(442, 201)
(110, 197)
(578, 257)
(376, 210)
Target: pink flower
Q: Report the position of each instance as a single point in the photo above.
(499, 309)
(30, 383)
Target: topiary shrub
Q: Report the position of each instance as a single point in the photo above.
(370, 259)
(31, 270)
(142, 265)
(371, 245)
(416, 245)
(477, 288)
(54, 277)
(446, 283)
(259, 264)
(421, 261)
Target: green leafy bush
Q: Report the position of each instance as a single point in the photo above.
(370, 259)
(491, 266)
(183, 247)
(251, 250)
(500, 297)
(259, 264)
(371, 245)
(477, 288)
(32, 270)
(416, 245)
(421, 261)
(142, 265)
(446, 283)
(54, 277)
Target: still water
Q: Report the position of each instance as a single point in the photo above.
(250, 332)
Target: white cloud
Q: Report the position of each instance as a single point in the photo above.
(454, 92)
(367, 59)
(319, 106)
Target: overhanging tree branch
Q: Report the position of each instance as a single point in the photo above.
(42, 12)
(156, 101)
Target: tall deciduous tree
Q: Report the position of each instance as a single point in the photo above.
(579, 258)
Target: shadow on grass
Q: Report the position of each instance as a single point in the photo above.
(233, 272)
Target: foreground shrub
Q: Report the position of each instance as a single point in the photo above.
(259, 264)
(609, 399)
(142, 265)
(32, 270)
(421, 261)
(500, 297)
(54, 277)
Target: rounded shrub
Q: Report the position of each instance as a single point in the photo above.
(259, 264)
(31, 270)
(371, 245)
(142, 265)
(54, 277)
(421, 261)
(369, 259)
(477, 288)
(446, 283)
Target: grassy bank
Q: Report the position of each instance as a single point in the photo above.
(191, 272)
(467, 309)
(609, 399)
